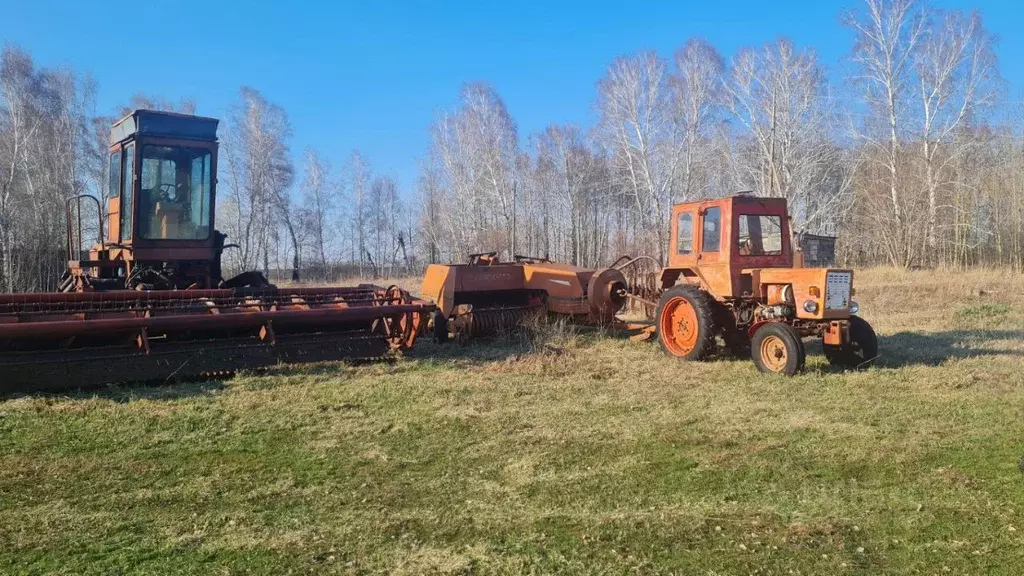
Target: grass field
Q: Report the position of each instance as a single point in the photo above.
(591, 455)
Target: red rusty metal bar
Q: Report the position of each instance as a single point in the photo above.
(241, 320)
(163, 295)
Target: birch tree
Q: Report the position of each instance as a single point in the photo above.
(382, 219)
(475, 150)
(260, 172)
(357, 182)
(44, 138)
(566, 164)
(637, 129)
(320, 206)
(955, 68)
(887, 36)
(697, 93)
(779, 96)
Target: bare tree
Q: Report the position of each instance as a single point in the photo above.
(260, 173)
(358, 183)
(431, 207)
(566, 164)
(320, 204)
(475, 151)
(140, 101)
(381, 190)
(44, 139)
(888, 33)
(955, 67)
(637, 130)
(780, 97)
(696, 89)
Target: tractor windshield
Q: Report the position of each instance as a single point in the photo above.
(175, 195)
(760, 235)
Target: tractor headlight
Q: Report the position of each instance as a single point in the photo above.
(854, 307)
(810, 306)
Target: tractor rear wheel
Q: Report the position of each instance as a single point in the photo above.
(859, 351)
(776, 348)
(686, 322)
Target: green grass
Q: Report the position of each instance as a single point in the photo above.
(594, 455)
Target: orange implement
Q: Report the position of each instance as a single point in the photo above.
(487, 295)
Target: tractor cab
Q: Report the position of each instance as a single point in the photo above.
(158, 208)
(721, 241)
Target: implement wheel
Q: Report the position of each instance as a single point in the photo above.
(776, 348)
(861, 349)
(686, 322)
(439, 323)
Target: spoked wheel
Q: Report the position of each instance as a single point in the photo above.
(859, 351)
(400, 329)
(776, 348)
(686, 327)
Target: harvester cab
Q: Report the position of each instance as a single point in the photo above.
(733, 273)
(157, 222)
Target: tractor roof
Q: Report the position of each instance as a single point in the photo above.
(741, 198)
(164, 124)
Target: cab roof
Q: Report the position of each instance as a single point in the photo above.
(165, 125)
(739, 199)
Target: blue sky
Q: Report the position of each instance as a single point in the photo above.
(373, 75)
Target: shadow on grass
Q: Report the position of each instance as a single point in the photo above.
(931, 349)
(934, 348)
(155, 391)
(475, 351)
(895, 350)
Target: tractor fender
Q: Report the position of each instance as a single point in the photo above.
(753, 327)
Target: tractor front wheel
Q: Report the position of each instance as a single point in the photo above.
(686, 322)
(776, 348)
(859, 351)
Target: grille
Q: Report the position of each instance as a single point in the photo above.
(837, 290)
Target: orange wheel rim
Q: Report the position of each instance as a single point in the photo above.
(679, 326)
(774, 353)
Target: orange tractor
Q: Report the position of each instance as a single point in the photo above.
(734, 273)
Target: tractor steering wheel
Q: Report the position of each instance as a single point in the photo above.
(168, 195)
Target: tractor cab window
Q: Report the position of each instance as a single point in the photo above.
(114, 181)
(712, 231)
(760, 235)
(126, 192)
(684, 233)
(175, 196)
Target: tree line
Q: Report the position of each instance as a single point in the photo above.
(911, 152)
(915, 157)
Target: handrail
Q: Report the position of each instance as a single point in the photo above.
(70, 230)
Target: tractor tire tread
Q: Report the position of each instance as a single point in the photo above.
(863, 339)
(704, 306)
(797, 354)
